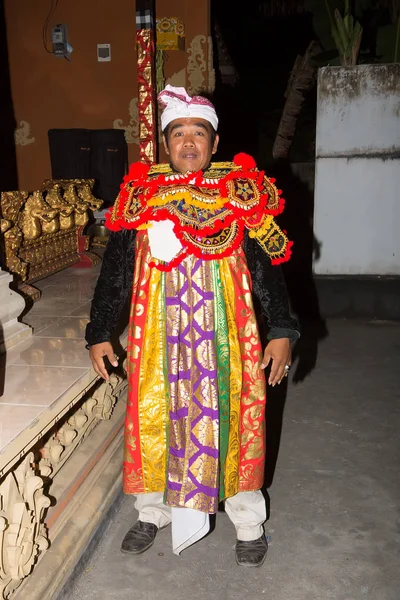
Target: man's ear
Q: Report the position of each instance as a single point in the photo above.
(164, 139)
(215, 146)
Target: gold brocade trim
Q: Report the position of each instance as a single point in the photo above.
(152, 392)
(216, 170)
(273, 195)
(214, 244)
(114, 210)
(243, 193)
(270, 237)
(231, 476)
(160, 169)
(200, 197)
(252, 443)
(133, 482)
(193, 216)
(133, 207)
(130, 441)
(263, 229)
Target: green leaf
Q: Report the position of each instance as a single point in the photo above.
(350, 25)
(338, 42)
(346, 21)
(356, 34)
(341, 30)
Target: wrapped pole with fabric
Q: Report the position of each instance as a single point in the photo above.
(145, 47)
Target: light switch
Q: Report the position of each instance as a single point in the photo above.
(104, 52)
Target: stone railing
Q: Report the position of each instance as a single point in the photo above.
(43, 229)
(46, 473)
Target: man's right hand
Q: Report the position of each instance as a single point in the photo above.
(97, 353)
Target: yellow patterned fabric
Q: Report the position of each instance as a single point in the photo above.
(235, 388)
(152, 390)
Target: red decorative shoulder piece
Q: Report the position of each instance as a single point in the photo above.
(130, 203)
(137, 170)
(209, 209)
(245, 161)
(275, 203)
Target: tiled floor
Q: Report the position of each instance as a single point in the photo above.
(41, 369)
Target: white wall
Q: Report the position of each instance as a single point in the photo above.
(357, 179)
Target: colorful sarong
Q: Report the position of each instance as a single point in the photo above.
(196, 402)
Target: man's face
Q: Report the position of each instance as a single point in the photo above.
(190, 144)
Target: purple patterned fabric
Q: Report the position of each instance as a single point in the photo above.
(192, 373)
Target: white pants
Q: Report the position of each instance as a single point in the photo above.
(246, 510)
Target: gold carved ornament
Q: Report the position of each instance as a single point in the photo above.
(43, 237)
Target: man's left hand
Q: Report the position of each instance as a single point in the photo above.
(279, 351)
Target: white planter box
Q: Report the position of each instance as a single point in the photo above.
(357, 180)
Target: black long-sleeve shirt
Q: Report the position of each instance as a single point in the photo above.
(116, 276)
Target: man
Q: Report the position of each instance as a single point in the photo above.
(197, 239)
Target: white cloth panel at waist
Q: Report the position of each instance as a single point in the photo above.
(164, 245)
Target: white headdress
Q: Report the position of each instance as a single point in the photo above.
(178, 104)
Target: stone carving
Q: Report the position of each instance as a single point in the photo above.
(23, 503)
(67, 437)
(45, 227)
(23, 536)
(132, 129)
(12, 305)
(106, 396)
(22, 134)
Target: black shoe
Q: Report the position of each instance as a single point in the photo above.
(251, 554)
(139, 538)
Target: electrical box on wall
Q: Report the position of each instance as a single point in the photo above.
(104, 52)
(59, 38)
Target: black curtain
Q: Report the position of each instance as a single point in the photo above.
(99, 154)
